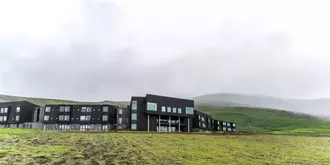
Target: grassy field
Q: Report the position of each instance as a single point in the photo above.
(46, 147)
(266, 120)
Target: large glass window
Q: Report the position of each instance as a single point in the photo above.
(179, 110)
(18, 109)
(82, 118)
(105, 118)
(174, 110)
(5, 118)
(105, 109)
(120, 120)
(6, 110)
(120, 111)
(17, 118)
(2, 110)
(134, 116)
(134, 105)
(67, 109)
(189, 110)
(1, 118)
(151, 106)
(133, 126)
(61, 108)
(163, 109)
(61, 117)
(83, 109)
(89, 109)
(46, 118)
(168, 109)
(47, 109)
(66, 117)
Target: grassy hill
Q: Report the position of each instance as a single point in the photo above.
(266, 120)
(44, 101)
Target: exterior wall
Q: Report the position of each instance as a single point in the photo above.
(25, 114)
(142, 122)
(202, 121)
(123, 118)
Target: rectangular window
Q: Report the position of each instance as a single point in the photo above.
(234, 125)
(163, 109)
(61, 117)
(88, 118)
(105, 109)
(120, 111)
(6, 110)
(189, 110)
(104, 117)
(134, 116)
(120, 120)
(17, 118)
(174, 110)
(89, 109)
(218, 122)
(134, 105)
(224, 128)
(67, 109)
(66, 117)
(1, 118)
(46, 118)
(18, 109)
(133, 126)
(2, 110)
(168, 109)
(179, 110)
(82, 118)
(151, 106)
(62, 108)
(83, 109)
(224, 123)
(204, 125)
(203, 119)
(5, 118)
(218, 128)
(47, 109)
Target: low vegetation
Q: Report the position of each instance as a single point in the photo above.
(48, 147)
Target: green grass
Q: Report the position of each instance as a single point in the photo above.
(266, 120)
(47, 147)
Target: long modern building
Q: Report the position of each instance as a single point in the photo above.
(149, 113)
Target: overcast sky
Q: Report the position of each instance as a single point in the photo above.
(111, 50)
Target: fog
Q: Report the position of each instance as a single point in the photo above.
(112, 50)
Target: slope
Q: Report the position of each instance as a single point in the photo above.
(265, 120)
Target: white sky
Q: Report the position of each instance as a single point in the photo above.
(287, 39)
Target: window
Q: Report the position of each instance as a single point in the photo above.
(63, 117)
(62, 108)
(203, 119)
(224, 123)
(89, 109)
(134, 116)
(47, 109)
(224, 128)
(67, 109)
(120, 111)
(104, 117)
(218, 122)
(120, 120)
(229, 129)
(179, 110)
(174, 110)
(218, 128)
(234, 125)
(88, 118)
(6, 110)
(1, 118)
(189, 110)
(151, 106)
(83, 109)
(163, 109)
(5, 118)
(82, 118)
(228, 124)
(105, 109)
(134, 105)
(199, 117)
(18, 109)
(2, 110)
(168, 109)
(133, 126)
(46, 118)
(17, 118)
(204, 125)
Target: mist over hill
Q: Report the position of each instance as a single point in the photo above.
(311, 106)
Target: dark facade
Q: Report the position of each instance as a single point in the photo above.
(202, 122)
(15, 113)
(162, 114)
(80, 117)
(123, 118)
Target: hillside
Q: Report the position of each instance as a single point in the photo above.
(44, 101)
(312, 106)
